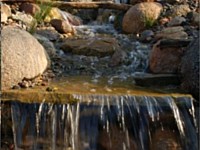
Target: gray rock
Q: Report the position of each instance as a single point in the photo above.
(48, 45)
(118, 57)
(190, 69)
(146, 36)
(22, 57)
(176, 21)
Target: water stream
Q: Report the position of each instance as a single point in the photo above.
(105, 122)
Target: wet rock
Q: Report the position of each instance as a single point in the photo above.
(196, 18)
(22, 56)
(165, 60)
(141, 13)
(48, 45)
(29, 8)
(190, 69)
(5, 12)
(176, 21)
(152, 80)
(87, 15)
(146, 36)
(180, 10)
(118, 21)
(165, 140)
(117, 139)
(62, 26)
(91, 47)
(104, 15)
(118, 57)
(172, 33)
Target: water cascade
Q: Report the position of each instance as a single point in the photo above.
(105, 122)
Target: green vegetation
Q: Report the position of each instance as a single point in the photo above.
(40, 15)
(149, 21)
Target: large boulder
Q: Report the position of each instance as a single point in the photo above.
(190, 69)
(139, 15)
(22, 57)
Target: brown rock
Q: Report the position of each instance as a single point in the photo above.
(91, 47)
(29, 8)
(139, 15)
(62, 26)
(165, 60)
(172, 33)
(22, 57)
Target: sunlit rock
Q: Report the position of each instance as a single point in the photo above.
(22, 57)
(140, 15)
(5, 12)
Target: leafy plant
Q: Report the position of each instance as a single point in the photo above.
(39, 16)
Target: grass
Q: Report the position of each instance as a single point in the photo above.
(40, 16)
(149, 21)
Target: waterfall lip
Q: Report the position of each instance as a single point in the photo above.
(67, 88)
(61, 97)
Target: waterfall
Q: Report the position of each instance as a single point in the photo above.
(99, 122)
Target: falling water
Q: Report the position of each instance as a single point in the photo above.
(99, 122)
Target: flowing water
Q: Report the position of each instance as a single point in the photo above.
(109, 122)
